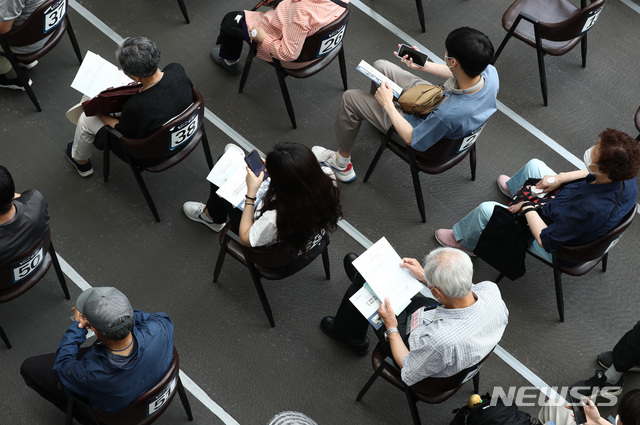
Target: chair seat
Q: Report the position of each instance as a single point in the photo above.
(547, 12)
(579, 269)
(315, 67)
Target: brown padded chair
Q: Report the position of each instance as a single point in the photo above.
(49, 19)
(580, 259)
(429, 390)
(21, 273)
(637, 120)
(442, 156)
(273, 262)
(326, 44)
(552, 27)
(168, 146)
(145, 409)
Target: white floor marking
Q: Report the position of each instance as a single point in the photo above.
(632, 5)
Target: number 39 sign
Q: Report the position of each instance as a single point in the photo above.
(25, 267)
(185, 130)
(54, 15)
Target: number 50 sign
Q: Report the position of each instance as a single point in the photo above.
(25, 267)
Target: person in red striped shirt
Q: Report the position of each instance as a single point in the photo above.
(279, 32)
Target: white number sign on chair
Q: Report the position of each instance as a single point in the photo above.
(25, 267)
(54, 15)
(183, 132)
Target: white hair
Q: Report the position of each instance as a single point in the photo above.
(449, 270)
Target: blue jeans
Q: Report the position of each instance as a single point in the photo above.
(468, 230)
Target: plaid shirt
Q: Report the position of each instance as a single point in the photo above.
(456, 339)
(288, 25)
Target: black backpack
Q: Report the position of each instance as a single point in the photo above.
(485, 414)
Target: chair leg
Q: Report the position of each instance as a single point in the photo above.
(420, 14)
(221, 255)
(106, 158)
(24, 80)
(415, 175)
(145, 191)
(370, 382)
(4, 338)
(247, 66)
(557, 278)
(58, 269)
(74, 41)
(325, 262)
(541, 70)
(261, 294)
(499, 278)
(413, 406)
(377, 156)
(69, 418)
(207, 150)
(476, 383)
(504, 43)
(183, 8)
(285, 93)
(183, 398)
(605, 257)
(343, 67)
(583, 48)
(472, 161)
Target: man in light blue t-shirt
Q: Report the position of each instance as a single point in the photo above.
(472, 87)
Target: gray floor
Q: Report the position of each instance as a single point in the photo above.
(106, 233)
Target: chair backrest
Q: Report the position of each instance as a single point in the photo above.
(575, 26)
(150, 405)
(283, 256)
(435, 386)
(599, 247)
(48, 18)
(25, 270)
(180, 133)
(447, 148)
(325, 40)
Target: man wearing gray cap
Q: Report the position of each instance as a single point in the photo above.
(133, 352)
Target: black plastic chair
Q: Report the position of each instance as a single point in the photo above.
(580, 259)
(429, 390)
(50, 19)
(274, 262)
(321, 47)
(21, 273)
(146, 408)
(442, 156)
(552, 27)
(168, 146)
(183, 8)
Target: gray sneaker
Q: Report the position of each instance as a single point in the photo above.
(195, 212)
(231, 69)
(605, 359)
(328, 158)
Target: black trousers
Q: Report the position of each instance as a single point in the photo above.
(233, 32)
(219, 209)
(39, 375)
(626, 353)
(350, 323)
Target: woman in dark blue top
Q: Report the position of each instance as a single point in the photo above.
(592, 202)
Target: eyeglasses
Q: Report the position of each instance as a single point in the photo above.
(448, 57)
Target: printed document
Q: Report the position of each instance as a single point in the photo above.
(97, 74)
(377, 77)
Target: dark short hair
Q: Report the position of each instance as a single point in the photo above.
(120, 333)
(138, 57)
(7, 190)
(629, 408)
(619, 155)
(471, 48)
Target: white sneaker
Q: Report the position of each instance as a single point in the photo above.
(29, 65)
(234, 147)
(328, 158)
(195, 211)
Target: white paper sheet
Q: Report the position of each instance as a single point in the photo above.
(377, 77)
(97, 74)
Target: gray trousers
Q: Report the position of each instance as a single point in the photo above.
(358, 105)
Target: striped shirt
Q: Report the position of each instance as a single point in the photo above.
(288, 25)
(456, 339)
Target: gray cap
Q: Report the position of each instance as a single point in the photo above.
(291, 418)
(103, 306)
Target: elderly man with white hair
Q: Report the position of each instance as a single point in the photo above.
(466, 323)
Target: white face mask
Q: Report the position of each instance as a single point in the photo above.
(616, 420)
(587, 158)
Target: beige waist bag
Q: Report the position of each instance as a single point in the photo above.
(421, 99)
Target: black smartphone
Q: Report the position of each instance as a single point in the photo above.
(256, 164)
(419, 58)
(578, 410)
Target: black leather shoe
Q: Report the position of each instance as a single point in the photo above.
(361, 348)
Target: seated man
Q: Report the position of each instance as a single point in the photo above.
(24, 219)
(133, 352)
(471, 91)
(163, 95)
(14, 13)
(451, 337)
(280, 33)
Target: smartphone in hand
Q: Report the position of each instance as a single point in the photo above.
(419, 58)
(256, 164)
(578, 410)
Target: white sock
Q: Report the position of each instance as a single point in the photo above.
(342, 161)
(613, 376)
(228, 62)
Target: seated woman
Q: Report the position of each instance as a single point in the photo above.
(163, 95)
(628, 412)
(592, 203)
(301, 203)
